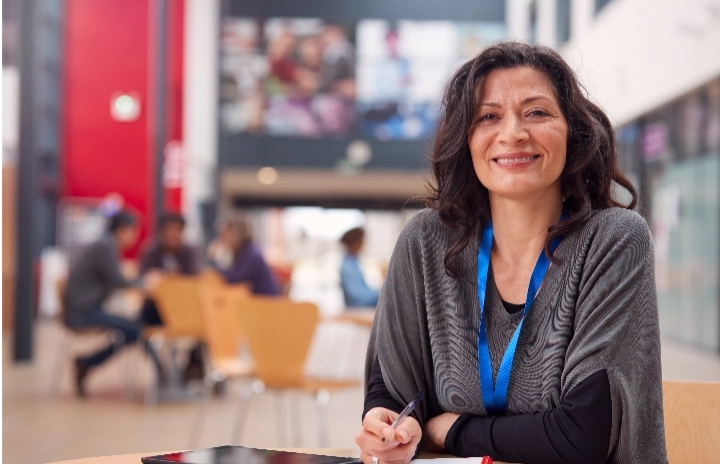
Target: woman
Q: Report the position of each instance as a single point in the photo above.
(240, 261)
(522, 224)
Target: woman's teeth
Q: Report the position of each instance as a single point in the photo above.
(508, 161)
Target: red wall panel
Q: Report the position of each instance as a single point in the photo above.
(109, 48)
(107, 51)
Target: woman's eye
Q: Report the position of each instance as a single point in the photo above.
(538, 113)
(487, 117)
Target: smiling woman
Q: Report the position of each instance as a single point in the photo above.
(522, 301)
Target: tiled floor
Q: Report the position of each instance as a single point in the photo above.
(38, 428)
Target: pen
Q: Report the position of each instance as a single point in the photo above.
(406, 412)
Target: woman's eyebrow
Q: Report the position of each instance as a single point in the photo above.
(535, 98)
(524, 102)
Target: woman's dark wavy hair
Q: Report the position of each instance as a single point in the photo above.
(457, 195)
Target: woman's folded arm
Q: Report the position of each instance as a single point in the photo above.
(577, 431)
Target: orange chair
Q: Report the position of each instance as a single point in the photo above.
(279, 333)
(223, 337)
(692, 421)
(178, 302)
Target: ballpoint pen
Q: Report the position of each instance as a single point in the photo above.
(406, 412)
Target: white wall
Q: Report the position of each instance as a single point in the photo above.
(200, 99)
(10, 113)
(639, 54)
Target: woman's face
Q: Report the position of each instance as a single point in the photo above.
(519, 140)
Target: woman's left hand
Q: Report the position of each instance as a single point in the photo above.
(436, 429)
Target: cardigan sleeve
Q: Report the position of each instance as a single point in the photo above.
(616, 328)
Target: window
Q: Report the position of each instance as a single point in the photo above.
(533, 21)
(600, 4)
(562, 21)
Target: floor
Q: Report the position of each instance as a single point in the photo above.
(41, 426)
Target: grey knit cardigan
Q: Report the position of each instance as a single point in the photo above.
(596, 309)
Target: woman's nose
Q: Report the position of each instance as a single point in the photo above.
(512, 130)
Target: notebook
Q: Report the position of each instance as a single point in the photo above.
(243, 455)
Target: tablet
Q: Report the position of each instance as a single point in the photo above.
(243, 455)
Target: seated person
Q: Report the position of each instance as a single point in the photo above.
(167, 254)
(240, 261)
(356, 291)
(92, 279)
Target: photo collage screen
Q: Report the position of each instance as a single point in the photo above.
(317, 78)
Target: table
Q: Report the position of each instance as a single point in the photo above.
(135, 458)
(361, 316)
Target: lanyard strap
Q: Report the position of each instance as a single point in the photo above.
(494, 394)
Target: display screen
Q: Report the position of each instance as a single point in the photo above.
(305, 84)
(315, 78)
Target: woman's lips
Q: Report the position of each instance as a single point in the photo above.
(515, 161)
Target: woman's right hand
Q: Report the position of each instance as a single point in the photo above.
(400, 444)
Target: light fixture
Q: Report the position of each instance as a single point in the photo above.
(358, 153)
(267, 175)
(125, 107)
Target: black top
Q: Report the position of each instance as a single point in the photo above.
(183, 260)
(578, 430)
(513, 308)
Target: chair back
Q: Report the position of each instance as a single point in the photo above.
(211, 277)
(692, 421)
(60, 287)
(221, 320)
(279, 333)
(178, 302)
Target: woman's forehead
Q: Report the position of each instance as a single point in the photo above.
(519, 84)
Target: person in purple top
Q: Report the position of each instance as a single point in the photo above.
(243, 261)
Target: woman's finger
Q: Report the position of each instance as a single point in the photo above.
(408, 430)
(371, 442)
(367, 458)
(378, 420)
(401, 453)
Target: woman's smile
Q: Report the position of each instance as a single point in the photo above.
(515, 160)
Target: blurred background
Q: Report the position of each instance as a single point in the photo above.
(289, 124)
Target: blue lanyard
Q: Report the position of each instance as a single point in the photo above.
(494, 394)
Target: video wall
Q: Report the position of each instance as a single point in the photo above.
(312, 78)
(304, 84)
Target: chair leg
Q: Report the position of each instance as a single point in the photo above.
(322, 400)
(130, 364)
(56, 375)
(152, 388)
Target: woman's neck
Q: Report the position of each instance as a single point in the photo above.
(520, 226)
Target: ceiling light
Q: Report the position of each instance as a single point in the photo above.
(267, 175)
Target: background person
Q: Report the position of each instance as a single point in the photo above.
(168, 254)
(356, 291)
(524, 166)
(92, 279)
(240, 261)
